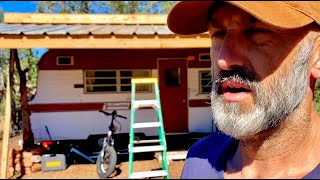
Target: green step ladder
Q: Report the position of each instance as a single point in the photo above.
(162, 147)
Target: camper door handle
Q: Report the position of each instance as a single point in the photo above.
(184, 100)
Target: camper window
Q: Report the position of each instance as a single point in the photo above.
(204, 57)
(64, 60)
(172, 77)
(205, 82)
(114, 80)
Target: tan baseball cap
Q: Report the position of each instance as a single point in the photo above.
(191, 17)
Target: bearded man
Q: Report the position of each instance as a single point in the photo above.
(265, 58)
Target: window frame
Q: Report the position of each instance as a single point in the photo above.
(204, 54)
(118, 81)
(71, 63)
(200, 81)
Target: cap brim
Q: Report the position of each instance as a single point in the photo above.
(191, 17)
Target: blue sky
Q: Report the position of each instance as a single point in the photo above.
(21, 7)
(18, 6)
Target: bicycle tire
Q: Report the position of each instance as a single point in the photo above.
(109, 159)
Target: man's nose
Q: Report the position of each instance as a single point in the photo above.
(231, 54)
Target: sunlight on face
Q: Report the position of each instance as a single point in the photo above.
(271, 107)
(273, 98)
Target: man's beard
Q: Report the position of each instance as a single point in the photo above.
(284, 94)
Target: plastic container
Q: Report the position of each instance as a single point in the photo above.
(53, 162)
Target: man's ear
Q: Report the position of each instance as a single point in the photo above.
(315, 67)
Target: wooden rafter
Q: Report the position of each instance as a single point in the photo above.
(42, 18)
(103, 41)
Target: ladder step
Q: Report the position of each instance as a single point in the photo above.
(147, 141)
(147, 148)
(145, 103)
(144, 80)
(145, 174)
(146, 125)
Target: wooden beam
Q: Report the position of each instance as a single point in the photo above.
(104, 41)
(41, 18)
(6, 131)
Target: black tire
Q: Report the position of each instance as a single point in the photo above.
(107, 164)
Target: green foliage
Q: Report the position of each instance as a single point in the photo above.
(123, 7)
(317, 97)
(114, 7)
(158, 7)
(134, 7)
(71, 7)
(28, 59)
(2, 107)
(1, 15)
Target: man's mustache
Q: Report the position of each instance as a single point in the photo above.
(242, 75)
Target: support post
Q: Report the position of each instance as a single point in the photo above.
(6, 131)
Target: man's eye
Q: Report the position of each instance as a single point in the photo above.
(220, 33)
(257, 30)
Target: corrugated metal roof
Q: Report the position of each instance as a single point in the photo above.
(82, 29)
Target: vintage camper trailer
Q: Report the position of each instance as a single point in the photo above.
(90, 62)
(75, 83)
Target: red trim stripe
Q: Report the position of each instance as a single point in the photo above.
(94, 106)
(65, 107)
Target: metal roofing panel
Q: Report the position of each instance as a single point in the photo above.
(162, 30)
(125, 30)
(105, 30)
(81, 29)
(63, 30)
(43, 29)
(8, 26)
(84, 29)
(56, 30)
(17, 29)
(145, 30)
(38, 29)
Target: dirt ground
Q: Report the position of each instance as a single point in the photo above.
(88, 171)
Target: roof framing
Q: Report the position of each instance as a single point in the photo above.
(44, 18)
(103, 41)
(110, 41)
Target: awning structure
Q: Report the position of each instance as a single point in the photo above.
(93, 31)
(74, 31)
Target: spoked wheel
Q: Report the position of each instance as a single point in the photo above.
(106, 164)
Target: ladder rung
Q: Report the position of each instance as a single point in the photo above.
(146, 125)
(145, 174)
(147, 141)
(147, 148)
(145, 103)
(144, 80)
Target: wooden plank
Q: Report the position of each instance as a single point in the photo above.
(40, 18)
(6, 131)
(104, 41)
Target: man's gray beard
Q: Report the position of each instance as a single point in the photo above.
(283, 95)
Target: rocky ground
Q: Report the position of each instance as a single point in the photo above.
(88, 171)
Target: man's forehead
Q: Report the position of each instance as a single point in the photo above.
(221, 15)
